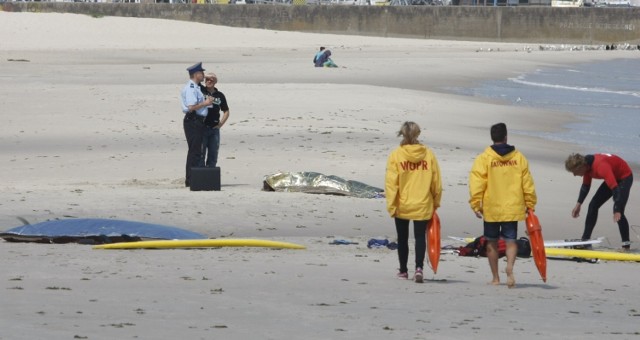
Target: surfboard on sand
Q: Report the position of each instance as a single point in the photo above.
(593, 254)
(571, 243)
(198, 243)
(433, 241)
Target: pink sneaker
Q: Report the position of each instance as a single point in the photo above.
(403, 276)
(418, 278)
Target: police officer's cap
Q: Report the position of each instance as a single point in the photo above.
(195, 68)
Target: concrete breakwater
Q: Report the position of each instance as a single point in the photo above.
(505, 24)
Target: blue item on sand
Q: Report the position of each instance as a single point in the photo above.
(377, 243)
(380, 243)
(95, 231)
(342, 242)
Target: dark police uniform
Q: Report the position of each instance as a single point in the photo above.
(193, 121)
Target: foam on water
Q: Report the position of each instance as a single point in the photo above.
(521, 80)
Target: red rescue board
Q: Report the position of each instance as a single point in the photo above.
(537, 244)
(433, 241)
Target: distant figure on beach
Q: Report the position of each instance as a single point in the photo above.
(194, 107)
(324, 60)
(318, 54)
(413, 189)
(213, 123)
(618, 179)
(501, 189)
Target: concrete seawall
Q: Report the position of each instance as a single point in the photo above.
(506, 24)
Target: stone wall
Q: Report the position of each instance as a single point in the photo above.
(507, 24)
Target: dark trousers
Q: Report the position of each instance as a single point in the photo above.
(420, 234)
(210, 147)
(193, 131)
(599, 198)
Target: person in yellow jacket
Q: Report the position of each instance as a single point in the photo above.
(501, 190)
(413, 189)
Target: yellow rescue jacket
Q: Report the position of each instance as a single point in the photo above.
(501, 187)
(413, 187)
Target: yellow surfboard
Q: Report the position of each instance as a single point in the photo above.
(593, 254)
(202, 243)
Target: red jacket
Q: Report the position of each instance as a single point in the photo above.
(609, 167)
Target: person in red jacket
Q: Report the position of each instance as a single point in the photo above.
(618, 179)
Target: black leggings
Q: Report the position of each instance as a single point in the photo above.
(601, 196)
(420, 234)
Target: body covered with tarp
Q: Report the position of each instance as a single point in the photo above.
(317, 183)
(95, 231)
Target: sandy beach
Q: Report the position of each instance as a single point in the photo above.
(92, 128)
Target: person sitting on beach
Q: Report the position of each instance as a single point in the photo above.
(413, 189)
(501, 190)
(318, 54)
(324, 60)
(618, 179)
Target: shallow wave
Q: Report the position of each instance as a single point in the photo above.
(574, 88)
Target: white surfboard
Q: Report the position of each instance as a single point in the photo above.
(567, 243)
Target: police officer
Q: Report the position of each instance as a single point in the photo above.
(194, 107)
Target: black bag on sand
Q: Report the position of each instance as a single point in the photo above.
(524, 247)
(205, 179)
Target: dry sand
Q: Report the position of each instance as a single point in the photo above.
(91, 127)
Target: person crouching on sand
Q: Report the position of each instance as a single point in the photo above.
(318, 55)
(413, 189)
(501, 190)
(324, 60)
(618, 179)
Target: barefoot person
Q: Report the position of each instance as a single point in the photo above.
(501, 190)
(413, 189)
(618, 179)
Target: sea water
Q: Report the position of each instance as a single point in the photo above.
(605, 95)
